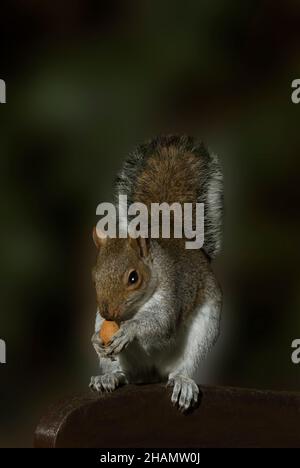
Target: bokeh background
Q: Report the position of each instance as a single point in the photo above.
(87, 81)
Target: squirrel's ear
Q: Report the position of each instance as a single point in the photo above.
(142, 244)
(99, 241)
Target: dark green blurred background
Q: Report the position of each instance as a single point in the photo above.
(87, 81)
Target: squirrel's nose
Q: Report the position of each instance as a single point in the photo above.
(114, 312)
(103, 310)
(107, 312)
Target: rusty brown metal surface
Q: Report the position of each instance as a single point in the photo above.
(142, 416)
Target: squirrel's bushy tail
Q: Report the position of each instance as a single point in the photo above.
(176, 169)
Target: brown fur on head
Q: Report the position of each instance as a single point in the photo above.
(121, 276)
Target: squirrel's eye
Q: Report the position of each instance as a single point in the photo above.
(133, 277)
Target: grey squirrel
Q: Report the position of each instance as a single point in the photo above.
(165, 298)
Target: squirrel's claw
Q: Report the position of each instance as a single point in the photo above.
(105, 382)
(98, 345)
(119, 342)
(185, 392)
(121, 339)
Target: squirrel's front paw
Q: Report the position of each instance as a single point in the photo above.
(185, 392)
(98, 345)
(122, 338)
(107, 382)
